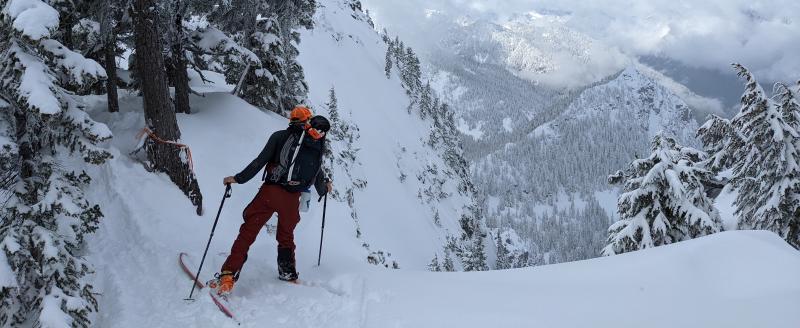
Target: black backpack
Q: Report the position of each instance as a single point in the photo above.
(299, 163)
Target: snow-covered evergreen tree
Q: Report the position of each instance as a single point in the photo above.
(720, 141)
(276, 81)
(42, 129)
(262, 85)
(767, 172)
(664, 200)
(293, 14)
(388, 67)
(448, 265)
(411, 72)
(503, 260)
(434, 265)
(472, 250)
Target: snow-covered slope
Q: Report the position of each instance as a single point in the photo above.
(552, 179)
(148, 221)
(386, 222)
(637, 98)
(732, 279)
(344, 52)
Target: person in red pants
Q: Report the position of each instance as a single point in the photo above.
(293, 161)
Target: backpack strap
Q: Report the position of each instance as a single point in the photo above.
(294, 157)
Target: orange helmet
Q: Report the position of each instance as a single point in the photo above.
(300, 113)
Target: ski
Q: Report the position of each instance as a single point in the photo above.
(188, 271)
(222, 304)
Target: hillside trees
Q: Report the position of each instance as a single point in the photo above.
(43, 128)
(470, 246)
(767, 172)
(274, 81)
(760, 146)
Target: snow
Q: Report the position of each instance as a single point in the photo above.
(73, 62)
(544, 130)
(7, 278)
(148, 221)
(476, 133)
(507, 124)
(725, 205)
(630, 290)
(608, 201)
(211, 40)
(52, 316)
(634, 94)
(32, 18)
(36, 84)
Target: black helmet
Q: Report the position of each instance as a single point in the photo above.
(320, 123)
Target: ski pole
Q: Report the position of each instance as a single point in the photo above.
(197, 276)
(322, 233)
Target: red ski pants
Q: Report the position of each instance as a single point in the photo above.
(270, 199)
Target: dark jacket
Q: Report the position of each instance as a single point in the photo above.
(270, 157)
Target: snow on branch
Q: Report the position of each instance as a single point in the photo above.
(37, 83)
(214, 41)
(75, 64)
(33, 18)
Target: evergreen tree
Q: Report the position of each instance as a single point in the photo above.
(159, 114)
(343, 154)
(262, 85)
(275, 82)
(425, 102)
(43, 131)
(434, 265)
(471, 250)
(293, 14)
(504, 260)
(176, 39)
(109, 16)
(767, 174)
(411, 72)
(448, 265)
(663, 200)
(257, 81)
(388, 67)
(721, 141)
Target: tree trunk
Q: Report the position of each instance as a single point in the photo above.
(158, 112)
(66, 22)
(180, 77)
(109, 52)
(111, 82)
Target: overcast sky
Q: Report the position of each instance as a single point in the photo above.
(763, 35)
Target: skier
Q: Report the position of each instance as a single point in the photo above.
(293, 161)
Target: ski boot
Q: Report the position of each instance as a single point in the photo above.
(286, 265)
(223, 283)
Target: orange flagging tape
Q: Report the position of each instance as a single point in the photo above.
(152, 135)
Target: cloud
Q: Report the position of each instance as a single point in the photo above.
(765, 36)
